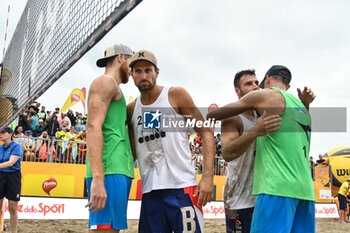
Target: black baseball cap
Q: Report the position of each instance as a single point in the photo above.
(280, 70)
(7, 130)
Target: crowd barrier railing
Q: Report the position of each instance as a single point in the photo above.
(37, 149)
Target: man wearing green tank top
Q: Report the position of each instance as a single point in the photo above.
(110, 165)
(282, 179)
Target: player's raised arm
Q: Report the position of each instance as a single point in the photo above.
(306, 96)
(249, 101)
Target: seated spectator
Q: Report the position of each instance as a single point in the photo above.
(63, 119)
(199, 165)
(28, 147)
(194, 157)
(45, 147)
(65, 125)
(39, 128)
(82, 149)
(40, 140)
(19, 135)
(80, 126)
(63, 143)
(19, 131)
(222, 165)
(72, 136)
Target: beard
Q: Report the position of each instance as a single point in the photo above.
(146, 86)
(124, 73)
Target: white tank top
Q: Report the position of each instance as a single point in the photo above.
(239, 180)
(163, 154)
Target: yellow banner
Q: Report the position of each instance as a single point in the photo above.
(74, 97)
(67, 180)
(53, 179)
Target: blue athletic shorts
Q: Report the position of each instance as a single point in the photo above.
(113, 215)
(170, 210)
(274, 214)
(238, 221)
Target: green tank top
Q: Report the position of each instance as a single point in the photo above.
(281, 163)
(116, 154)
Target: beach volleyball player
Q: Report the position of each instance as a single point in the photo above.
(282, 179)
(171, 199)
(110, 165)
(238, 146)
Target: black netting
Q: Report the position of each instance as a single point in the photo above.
(50, 37)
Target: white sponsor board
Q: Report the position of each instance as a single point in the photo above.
(67, 208)
(214, 210)
(50, 208)
(326, 210)
(61, 208)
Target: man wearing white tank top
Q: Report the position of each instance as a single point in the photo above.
(238, 149)
(171, 199)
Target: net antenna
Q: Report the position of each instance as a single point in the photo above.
(51, 36)
(7, 25)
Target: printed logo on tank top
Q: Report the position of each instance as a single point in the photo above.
(152, 119)
(150, 134)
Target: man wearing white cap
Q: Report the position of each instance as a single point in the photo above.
(171, 199)
(110, 165)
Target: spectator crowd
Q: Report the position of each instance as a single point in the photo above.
(195, 144)
(54, 136)
(51, 136)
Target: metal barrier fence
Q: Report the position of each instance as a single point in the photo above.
(220, 165)
(36, 149)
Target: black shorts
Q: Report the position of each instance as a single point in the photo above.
(239, 220)
(10, 185)
(342, 202)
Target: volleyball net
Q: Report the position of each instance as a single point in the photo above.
(50, 37)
